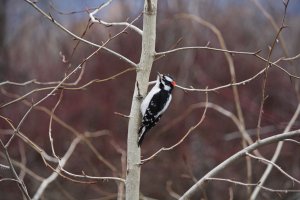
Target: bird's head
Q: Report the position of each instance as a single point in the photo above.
(166, 82)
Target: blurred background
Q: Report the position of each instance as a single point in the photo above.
(31, 47)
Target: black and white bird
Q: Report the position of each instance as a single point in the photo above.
(155, 104)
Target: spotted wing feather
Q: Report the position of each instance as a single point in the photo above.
(153, 113)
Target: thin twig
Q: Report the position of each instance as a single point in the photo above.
(55, 174)
(206, 48)
(241, 83)
(50, 125)
(250, 185)
(23, 167)
(21, 184)
(79, 38)
(263, 98)
(39, 150)
(291, 140)
(96, 20)
(268, 162)
(84, 86)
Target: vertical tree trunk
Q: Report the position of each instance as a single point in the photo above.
(142, 77)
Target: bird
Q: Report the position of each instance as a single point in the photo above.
(155, 104)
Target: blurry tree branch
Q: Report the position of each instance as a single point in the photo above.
(60, 168)
(121, 185)
(251, 185)
(292, 121)
(96, 20)
(268, 162)
(21, 184)
(244, 82)
(49, 17)
(69, 128)
(164, 53)
(276, 154)
(291, 140)
(171, 192)
(263, 142)
(50, 125)
(228, 56)
(34, 81)
(23, 167)
(273, 23)
(263, 89)
(38, 149)
(236, 97)
(290, 58)
(55, 174)
(84, 86)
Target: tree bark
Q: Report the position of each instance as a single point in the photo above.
(141, 86)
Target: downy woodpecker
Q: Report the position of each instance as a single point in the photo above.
(155, 104)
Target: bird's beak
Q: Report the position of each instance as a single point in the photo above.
(159, 76)
(173, 83)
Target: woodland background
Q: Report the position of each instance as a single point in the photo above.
(33, 48)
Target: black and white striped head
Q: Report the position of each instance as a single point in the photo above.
(166, 82)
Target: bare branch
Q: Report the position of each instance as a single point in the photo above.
(60, 169)
(263, 97)
(291, 58)
(50, 125)
(268, 162)
(21, 184)
(171, 191)
(8, 179)
(251, 185)
(96, 20)
(163, 53)
(273, 23)
(84, 86)
(54, 175)
(96, 178)
(79, 38)
(39, 150)
(23, 167)
(72, 130)
(241, 83)
(276, 155)
(236, 156)
(291, 140)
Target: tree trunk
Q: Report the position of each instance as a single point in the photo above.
(142, 78)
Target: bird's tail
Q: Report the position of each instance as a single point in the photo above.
(142, 132)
